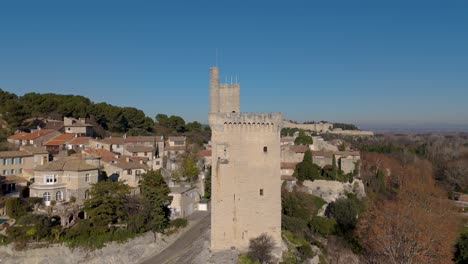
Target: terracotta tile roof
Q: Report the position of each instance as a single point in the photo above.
(130, 165)
(113, 140)
(288, 165)
(106, 156)
(14, 153)
(299, 148)
(79, 141)
(31, 136)
(143, 139)
(59, 140)
(138, 148)
(175, 148)
(12, 179)
(66, 164)
(205, 153)
(34, 150)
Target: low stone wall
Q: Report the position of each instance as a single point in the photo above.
(352, 132)
(330, 191)
(132, 251)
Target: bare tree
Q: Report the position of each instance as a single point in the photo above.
(417, 225)
(261, 247)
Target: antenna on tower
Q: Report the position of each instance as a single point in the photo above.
(231, 79)
(216, 57)
(236, 78)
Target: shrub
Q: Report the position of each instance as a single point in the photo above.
(294, 224)
(179, 223)
(345, 211)
(323, 226)
(461, 249)
(16, 207)
(246, 259)
(260, 248)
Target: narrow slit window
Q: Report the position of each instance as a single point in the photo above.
(265, 149)
(261, 192)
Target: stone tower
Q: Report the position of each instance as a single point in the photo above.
(246, 184)
(224, 98)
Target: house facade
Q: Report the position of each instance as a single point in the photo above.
(184, 201)
(77, 126)
(17, 161)
(62, 179)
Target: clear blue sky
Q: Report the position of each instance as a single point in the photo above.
(368, 62)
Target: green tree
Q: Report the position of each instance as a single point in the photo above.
(188, 169)
(162, 119)
(156, 199)
(461, 249)
(307, 170)
(107, 201)
(303, 139)
(345, 212)
(176, 123)
(207, 183)
(193, 127)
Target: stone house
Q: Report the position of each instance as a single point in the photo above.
(128, 169)
(175, 145)
(184, 201)
(114, 144)
(293, 153)
(16, 162)
(58, 143)
(287, 168)
(345, 160)
(78, 143)
(287, 141)
(36, 138)
(62, 179)
(77, 126)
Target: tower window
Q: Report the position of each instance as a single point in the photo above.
(261, 192)
(265, 149)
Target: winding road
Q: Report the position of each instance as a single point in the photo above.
(183, 249)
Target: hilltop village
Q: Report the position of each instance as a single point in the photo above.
(246, 188)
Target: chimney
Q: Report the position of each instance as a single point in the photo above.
(141, 161)
(127, 159)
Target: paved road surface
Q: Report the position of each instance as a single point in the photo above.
(181, 247)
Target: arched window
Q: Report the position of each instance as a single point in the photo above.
(58, 196)
(46, 196)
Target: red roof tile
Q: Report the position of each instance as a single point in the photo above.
(31, 136)
(59, 140)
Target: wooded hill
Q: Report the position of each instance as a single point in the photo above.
(106, 118)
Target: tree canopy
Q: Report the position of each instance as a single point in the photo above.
(156, 200)
(106, 203)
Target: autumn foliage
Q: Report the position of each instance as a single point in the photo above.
(411, 221)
